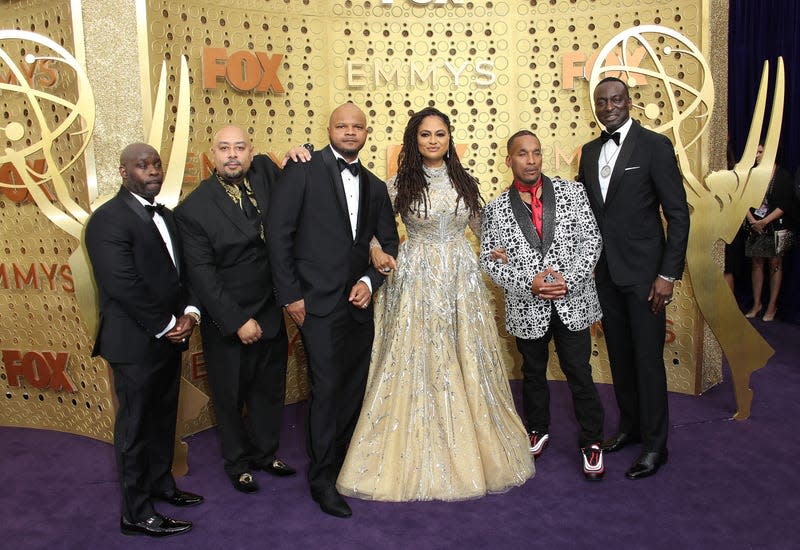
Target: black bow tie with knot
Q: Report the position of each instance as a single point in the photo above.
(344, 165)
(605, 136)
(153, 208)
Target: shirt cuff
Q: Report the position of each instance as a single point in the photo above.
(172, 323)
(368, 282)
(191, 309)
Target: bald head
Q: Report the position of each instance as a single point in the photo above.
(232, 153)
(141, 170)
(347, 130)
(133, 151)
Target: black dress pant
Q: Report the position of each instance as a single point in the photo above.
(635, 340)
(144, 431)
(251, 376)
(573, 349)
(338, 349)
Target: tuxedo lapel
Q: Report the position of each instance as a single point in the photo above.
(622, 161)
(335, 177)
(548, 214)
(363, 200)
(591, 175)
(149, 226)
(169, 220)
(231, 210)
(523, 217)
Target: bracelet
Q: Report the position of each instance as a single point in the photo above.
(668, 279)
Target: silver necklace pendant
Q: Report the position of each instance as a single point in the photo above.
(605, 171)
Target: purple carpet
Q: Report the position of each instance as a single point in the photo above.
(728, 485)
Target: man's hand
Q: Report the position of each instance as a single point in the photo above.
(382, 261)
(182, 330)
(297, 311)
(360, 295)
(660, 294)
(549, 285)
(297, 154)
(499, 255)
(250, 332)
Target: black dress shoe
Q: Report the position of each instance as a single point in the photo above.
(154, 526)
(245, 482)
(646, 465)
(332, 502)
(277, 468)
(181, 498)
(619, 441)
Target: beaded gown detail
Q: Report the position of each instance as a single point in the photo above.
(438, 420)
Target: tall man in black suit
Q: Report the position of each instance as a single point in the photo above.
(631, 176)
(322, 217)
(145, 322)
(244, 338)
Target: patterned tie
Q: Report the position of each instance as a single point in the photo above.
(536, 204)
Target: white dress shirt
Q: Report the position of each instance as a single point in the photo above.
(608, 155)
(352, 194)
(161, 225)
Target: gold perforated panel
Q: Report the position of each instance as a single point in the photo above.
(45, 347)
(494, 67)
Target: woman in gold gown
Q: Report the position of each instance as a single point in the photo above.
(438, 419)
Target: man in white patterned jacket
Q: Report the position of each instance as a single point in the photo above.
(551, 243)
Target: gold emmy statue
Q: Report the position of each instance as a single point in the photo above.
(718, 204)
(62, 119)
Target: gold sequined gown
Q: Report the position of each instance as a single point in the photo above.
(438, 420)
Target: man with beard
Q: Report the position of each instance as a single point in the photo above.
(322, 218)
(222, 224)
(145, 323)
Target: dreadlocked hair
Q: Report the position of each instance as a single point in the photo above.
(412, 187)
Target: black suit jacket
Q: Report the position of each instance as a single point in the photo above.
(226, 258)
(139, 287)
(645, 178)
(314, 255)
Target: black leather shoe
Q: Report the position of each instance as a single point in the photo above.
(181, 498)
(245, 483)
(619, 441)
(332, 503)
(646, 465)
(277, 468)
(154, 526)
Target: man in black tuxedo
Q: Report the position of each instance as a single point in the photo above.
(322, 217)
(244, 338)
(145, 323)
(631, 176)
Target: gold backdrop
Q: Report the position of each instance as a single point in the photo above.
(277, 68)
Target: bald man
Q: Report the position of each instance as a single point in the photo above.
(322, 217)
(146, 319)
(222, 225)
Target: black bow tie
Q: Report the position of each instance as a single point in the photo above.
(153, 208)
(605, 136)
(344, 165)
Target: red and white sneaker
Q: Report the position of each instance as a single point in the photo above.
(538, 442)
(593, 468)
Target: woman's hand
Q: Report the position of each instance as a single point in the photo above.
(382, 261)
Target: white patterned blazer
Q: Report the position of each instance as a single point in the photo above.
(570, 242)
